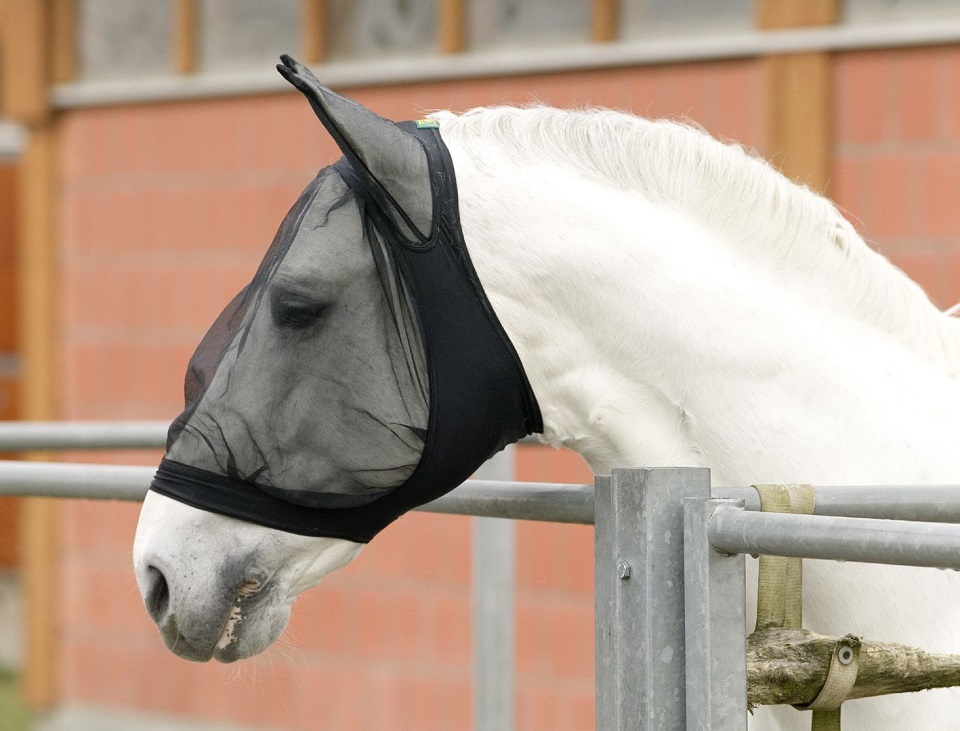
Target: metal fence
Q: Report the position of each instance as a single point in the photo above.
(668, 559)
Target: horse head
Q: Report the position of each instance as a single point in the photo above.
(312, 402)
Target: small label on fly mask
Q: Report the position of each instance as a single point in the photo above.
(427, 124)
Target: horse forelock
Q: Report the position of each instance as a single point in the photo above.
(732, 191)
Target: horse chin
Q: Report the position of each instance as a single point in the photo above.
(226, 629)
(219, 588)
(246, 635)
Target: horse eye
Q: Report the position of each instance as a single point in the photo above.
(294, 312)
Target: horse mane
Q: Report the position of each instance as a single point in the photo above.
(731, 191)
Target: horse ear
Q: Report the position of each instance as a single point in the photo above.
(376, 148)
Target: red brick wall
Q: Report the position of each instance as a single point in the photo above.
(166, 210)
(896, 168)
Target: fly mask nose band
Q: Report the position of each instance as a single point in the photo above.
(479, 397)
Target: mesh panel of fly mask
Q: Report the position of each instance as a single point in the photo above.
(362, 372)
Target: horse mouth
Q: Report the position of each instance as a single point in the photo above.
(225, 641)
(225, 649)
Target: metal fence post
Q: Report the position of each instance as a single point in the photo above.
(716, 643)
(638, 565)
(494, 562)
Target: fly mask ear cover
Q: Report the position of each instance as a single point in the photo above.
(479, 397)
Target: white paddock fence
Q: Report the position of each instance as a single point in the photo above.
(668, 559)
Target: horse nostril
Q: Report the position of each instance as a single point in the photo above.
(157, 594)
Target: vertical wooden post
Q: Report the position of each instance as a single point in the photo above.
(185, 36)
(9, 363)
(63, 50)
(604, 20)
(24, 63)
(798, 94)
(27, 30)
(314, 18)
(451, 25)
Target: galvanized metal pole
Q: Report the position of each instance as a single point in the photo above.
(638, 559)
(898, 543)
(494, 560)
(542, 501)
(22, 436)
(716, 646)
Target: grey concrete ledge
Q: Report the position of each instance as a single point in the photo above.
(12, 139)
(516, 61)
(80, 718)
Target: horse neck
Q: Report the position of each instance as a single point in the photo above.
(798, 236)
(650, 340)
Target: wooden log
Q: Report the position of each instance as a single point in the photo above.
(314, 34)
(604, 20)
(798, 94)
(789, 666)
(186, 35)
(451, 24)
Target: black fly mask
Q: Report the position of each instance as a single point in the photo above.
(363, 371)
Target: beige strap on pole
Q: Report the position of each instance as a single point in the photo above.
(780, 604)
(841, 677)
(779, 597)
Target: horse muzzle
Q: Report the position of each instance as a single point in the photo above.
(225, 625)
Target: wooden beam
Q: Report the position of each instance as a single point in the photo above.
(313, 30)
(451, 26)
(36, 274)
(185, 36)
(798, 94)
(800, 117)
(796, 13)
(27, 35)
(604, 20)
(23, 60)
(63, 49)
(9, 398)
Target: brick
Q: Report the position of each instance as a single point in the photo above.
(891, 179)
(917, 100)
(551, 556)
(845, 188)
(538, 463)
(950, 288)
(433, 549)
(939, 192)
(923, 267)
(427, 701)
(99, 527)
(737, 111)
(951, 84)
(337, 698)
(540, 709)
(540, 621)
(101, 597)
(640, 92)
(862, 96)
(87, 224)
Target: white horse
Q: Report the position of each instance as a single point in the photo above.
(675, 302)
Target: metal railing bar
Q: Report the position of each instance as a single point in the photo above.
(899, 543)
(28, 436)
(72, 480)
(541, 501)
(24, 436)
(931, 503)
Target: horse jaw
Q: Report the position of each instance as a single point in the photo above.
(236, 581)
